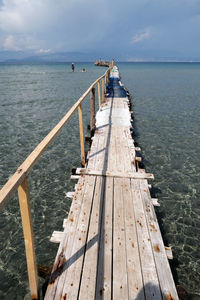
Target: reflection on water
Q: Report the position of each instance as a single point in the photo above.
(167, 111)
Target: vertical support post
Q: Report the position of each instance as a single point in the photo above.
(103, 92)
(92, 111)
(108, 75)
(81, 135)
(25, 210)
(99, 93)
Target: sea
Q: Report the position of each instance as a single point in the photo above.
(166, 109)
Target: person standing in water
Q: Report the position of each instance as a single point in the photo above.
(72, 67)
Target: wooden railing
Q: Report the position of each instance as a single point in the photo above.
(19, 180)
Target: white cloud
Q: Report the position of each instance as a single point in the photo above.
(142, 35)
(9, 44)
(19, 42)
(44, 51)
(69, 25)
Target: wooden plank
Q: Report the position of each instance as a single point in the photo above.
(94, 150)
(169, 252)
(104, 268)
(162, 265)
(103, 91)
(120, 280)
(74, 177)
(155, 202)
(131, 147)
(112, 158)
(81, 135)
(57, 236)
(101, 155)
(92, 110)
(121, 168)
(65, 248)
(149, 272)
(99, 94)
(88, 281)
(75, 261)
(135, 280)
(70, 194)
(135, 175)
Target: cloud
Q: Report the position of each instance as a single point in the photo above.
(142, 35)
(43, 51)
(89, 26)
(13, 42)
(9, 44)
(55, 24)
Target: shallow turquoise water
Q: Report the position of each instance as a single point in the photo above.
(166, 101)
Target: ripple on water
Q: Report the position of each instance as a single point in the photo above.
(167, 114)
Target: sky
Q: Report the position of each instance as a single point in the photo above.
(129, 30)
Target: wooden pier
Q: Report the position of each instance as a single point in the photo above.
(111, 246)
(103, 63)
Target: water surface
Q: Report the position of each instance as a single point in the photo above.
(34, 97)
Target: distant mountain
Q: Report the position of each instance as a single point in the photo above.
(19, 56)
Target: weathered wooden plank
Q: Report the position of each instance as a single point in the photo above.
(88, 281)
(155, 202)
(57, 236)
(149, 272)
(169, 252)
(167, 285)
(70, 194)
(75, 261)
(93, 152)
(135, 175)
(58, 273)
(135, 280)
(80, 117)
(120, 280)
(112, 158)
(104, 267)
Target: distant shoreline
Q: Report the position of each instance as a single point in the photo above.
(91, 62)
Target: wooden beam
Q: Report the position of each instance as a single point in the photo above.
(74, 177)
(135, 175)
(57, 236)
(92, 111)
(155, 202)
(99, 94)
(103, 91)
(81, 135)
(169, 252)
(70, 194)
(28, 237)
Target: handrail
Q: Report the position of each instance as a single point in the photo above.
(19, 179)
(12, 184)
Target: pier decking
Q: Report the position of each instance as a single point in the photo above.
(111, 247)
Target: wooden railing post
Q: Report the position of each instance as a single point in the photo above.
(99, 93)
(103, 91)
(105, 79)
(108, 75)
(81, 135)
(92, 111)
(25, 210)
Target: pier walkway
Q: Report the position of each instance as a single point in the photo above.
(111, 246)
